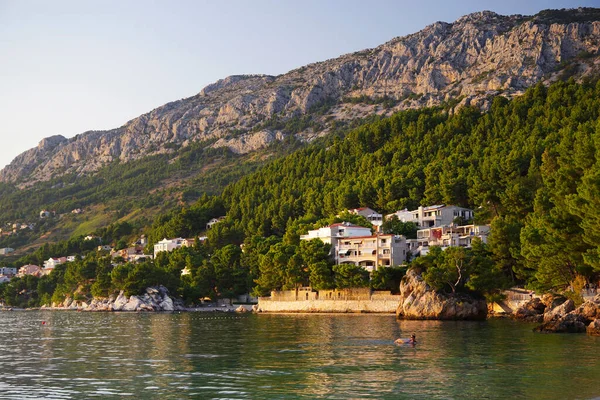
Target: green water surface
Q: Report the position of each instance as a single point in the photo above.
(220, 355)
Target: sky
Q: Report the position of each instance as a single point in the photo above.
(67, 67)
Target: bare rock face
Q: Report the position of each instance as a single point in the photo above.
(559, 311)
(419, 301)
(590, 310)
(477, 56)
(570, 323)
(593, 328)
(565, 318)
(532, 311)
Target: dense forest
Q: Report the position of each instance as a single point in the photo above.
(528, 166)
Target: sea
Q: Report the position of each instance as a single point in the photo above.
(218, 355)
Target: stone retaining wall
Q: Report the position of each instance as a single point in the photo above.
(329, 306)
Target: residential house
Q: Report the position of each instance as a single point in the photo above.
(92, 237)
(433, 216)
(132, 254)
(449, 236)
(29, 270)
(45, 214)
(142, 241)
(51, 263)
(105, 247)
(8, 271)
(6, 250)
(333, 233)
(371, 215)
(214, 221)
(77, 211)
(168, 245)
(371, 252)
(188, 242)
(4, 278)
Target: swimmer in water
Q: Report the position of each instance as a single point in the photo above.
(411, 340)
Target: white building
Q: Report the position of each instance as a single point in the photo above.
(168, 245)
(448, 236)
(332, 233)
(8, 271)
(214, 221)
(6, 250)
(44, 214)
(51, 263)
(371, 215)
(433, 216)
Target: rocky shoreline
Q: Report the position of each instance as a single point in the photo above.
(156, 299)
(558, 314)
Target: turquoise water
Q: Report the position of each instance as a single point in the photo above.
(220, 355)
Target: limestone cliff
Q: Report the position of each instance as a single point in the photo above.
(472, 59)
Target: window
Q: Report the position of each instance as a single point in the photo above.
(383, 241)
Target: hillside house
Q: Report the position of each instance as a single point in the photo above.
(131, 254)
(371, 215)
(433, 216)
(371, 252)
(168, 245)
(214, 221)
(8, 271)
(449, 236)
(6, 250)
(51, 263)
(333, 233)
(45, 214)
(29, 269)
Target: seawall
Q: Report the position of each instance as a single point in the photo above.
(328, 306)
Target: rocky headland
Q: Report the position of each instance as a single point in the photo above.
(419, 301)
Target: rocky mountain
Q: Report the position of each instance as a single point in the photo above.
(470, 60)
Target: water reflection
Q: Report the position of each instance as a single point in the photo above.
(217, 355)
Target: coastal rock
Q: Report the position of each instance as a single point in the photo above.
(419, 301)
(532, 311)
(241, 309)
(593, 328)
(167, 304)
(590, 310)
(570, 323)
(559, 311)
(119, 302)
(552, 300)
(134, 304)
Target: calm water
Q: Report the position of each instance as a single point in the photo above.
(210, 355)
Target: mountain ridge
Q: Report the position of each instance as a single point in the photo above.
(471, 59)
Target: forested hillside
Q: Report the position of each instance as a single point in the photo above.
(529, 167)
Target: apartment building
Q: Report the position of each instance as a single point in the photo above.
(371, 252)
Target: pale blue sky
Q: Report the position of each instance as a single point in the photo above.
(71, 66)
